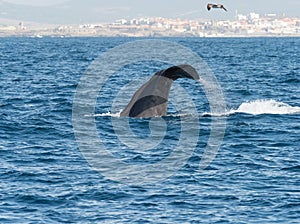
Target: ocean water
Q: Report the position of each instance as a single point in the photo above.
(45, 177)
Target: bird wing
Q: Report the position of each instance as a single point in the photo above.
(209, 6)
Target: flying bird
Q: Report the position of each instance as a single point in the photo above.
(215, 6)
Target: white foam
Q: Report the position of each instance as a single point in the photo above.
(108, 114)
(265, 107)
(255, 107)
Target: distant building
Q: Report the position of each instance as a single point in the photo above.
(253, 16)
(241, 17)
(21, 26)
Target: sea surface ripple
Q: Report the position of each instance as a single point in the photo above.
(255, 177)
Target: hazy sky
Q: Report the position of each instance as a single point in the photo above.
(84, 11)
(36, 2)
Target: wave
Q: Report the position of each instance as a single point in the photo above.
(256, 107)
(271, 106)
(107, 114)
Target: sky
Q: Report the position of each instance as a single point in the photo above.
(91, 11)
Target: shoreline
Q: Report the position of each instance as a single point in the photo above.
(152, 34)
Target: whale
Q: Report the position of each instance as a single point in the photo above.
(151, 99)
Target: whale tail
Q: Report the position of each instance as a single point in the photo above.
(181, 71)
(151, 99)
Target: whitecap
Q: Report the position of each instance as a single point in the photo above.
(270, 106)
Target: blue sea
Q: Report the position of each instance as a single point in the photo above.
(253, 176)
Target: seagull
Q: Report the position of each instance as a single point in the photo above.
(215, 6)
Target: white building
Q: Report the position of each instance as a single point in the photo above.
(253, 16)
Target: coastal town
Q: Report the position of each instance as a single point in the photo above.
(252, 24)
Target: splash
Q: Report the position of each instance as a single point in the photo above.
(108, 114)
(255, 107)
(265, 107)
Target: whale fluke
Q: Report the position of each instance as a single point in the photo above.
(215, 6)
(151, 99)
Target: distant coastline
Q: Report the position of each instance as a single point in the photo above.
(252, 25)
